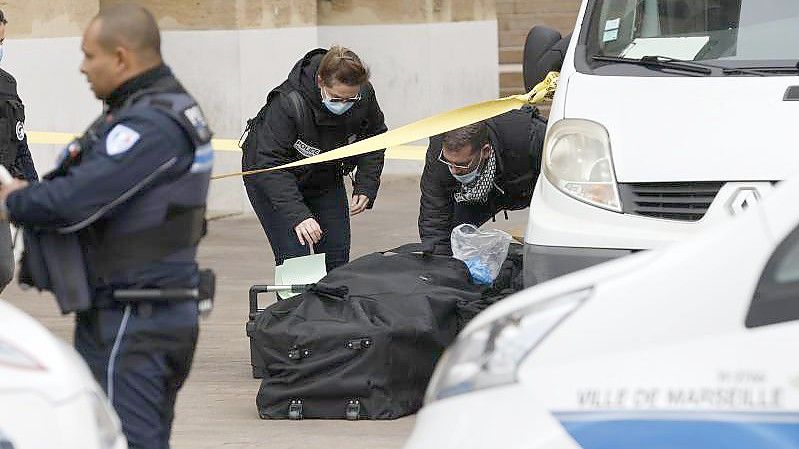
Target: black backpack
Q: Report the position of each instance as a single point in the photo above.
(304, 126)
(363, 342)
(249, 144)
(12, 119)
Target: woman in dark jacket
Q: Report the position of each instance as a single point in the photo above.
(326, 102)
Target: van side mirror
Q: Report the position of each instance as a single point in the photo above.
(544, 52)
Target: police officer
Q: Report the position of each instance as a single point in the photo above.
(14, 152)
(474, 172)
(132, 190)
(326, 102)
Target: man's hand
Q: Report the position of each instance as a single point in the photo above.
(359, 203)
(308, 232)
(6, 189)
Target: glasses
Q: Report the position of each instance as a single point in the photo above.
(453, 165)
(339, 100)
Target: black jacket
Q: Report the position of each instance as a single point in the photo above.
(517, 137)
(14, 151)
(277, 136)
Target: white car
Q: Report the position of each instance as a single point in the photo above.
(48, 397)
(667, 112)
(690, 346)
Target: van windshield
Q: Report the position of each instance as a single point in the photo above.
(725, 33)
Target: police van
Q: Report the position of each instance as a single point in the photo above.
(668, 114)
(48, 397)
(689, 346)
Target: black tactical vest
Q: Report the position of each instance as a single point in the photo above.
(12, 121)
(169, 216)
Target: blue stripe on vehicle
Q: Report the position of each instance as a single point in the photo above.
(682, 430)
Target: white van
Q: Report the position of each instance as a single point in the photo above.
(668, 114)
(686, 347)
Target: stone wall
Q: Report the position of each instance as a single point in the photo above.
(426, 56)
(514, 20)
(516, 17)
(47, 18)
(56, 18)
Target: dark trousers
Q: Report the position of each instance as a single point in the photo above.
(141, 355)
(330, 208)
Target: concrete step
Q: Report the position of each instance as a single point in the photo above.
(562, 21)
(510, 76)
(511, 55)
(506, 91)
(513, 38)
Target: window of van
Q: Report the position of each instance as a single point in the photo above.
(776, 298)
(729, 33)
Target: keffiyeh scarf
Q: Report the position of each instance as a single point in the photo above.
(477, 191)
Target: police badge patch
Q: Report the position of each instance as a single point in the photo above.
(195, 116)
(20, 131)
(305, 149)
(120, 140)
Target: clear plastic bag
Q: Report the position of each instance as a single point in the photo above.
(482, 251)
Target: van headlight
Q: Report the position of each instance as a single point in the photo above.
(577, 161)
(489, 356)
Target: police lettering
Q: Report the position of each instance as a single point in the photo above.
(305, 149)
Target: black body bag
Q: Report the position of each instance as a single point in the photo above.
(362, 343)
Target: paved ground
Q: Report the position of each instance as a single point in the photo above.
(216, 408)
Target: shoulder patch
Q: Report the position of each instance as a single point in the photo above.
(20, 131)
(120, 140)
(195, 116)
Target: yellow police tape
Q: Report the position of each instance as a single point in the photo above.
(395, 140)
(399, 152)
(426, 127)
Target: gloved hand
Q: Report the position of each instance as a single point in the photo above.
(479, 271)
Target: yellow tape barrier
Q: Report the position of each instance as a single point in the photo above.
(427, 127)
(395, 140)
(399, 152)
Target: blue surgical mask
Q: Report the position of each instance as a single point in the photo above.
(467, 178)
(337, 108)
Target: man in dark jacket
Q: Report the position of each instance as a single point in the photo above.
(130, 194)
(326, 102)
(474, 172)
(14, 152)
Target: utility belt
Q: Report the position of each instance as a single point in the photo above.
(58, 262)
(204, 294)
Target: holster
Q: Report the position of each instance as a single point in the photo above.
(54, 262)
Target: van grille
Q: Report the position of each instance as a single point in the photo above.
(683, 201)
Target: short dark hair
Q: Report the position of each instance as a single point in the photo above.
(475, 135)
(342, 65)
(129, 25)
(3, 20)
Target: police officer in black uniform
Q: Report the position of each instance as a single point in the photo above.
(474, 172)
(326, 102)
(14, 152)
(131, 192)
